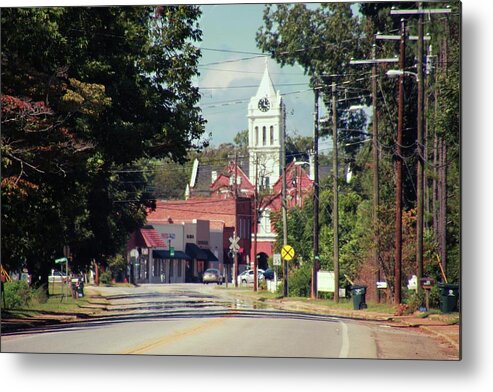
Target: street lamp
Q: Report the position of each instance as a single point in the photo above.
(394, 73)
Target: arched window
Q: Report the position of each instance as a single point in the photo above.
(271, 135)
(255, 142)
(264, 136)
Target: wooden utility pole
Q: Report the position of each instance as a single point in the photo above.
(316, 125)
(398, 171)
(421, 143)
(284, 207)
(255, 225)
(376, 178)
(375, 156)
(420, 151)
(335, 208)
(235, 195)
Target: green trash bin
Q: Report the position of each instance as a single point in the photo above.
(358, 293)
(449, 297)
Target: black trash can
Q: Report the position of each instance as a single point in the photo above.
(359, 297)
(449, 297)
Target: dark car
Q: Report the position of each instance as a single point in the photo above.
(269, 274)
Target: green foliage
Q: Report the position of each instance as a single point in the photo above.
(414, 300)
(117, 264)
(90, 95)
(299, 281)
(17, 294)
(106, 278)
(40, 294)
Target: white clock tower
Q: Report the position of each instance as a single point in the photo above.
(266, 117)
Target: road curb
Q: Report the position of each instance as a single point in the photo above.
(441, 335)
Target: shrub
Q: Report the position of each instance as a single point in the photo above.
(414, 301)
(105, 277)
(300, 281)
(435, 297)
(17, 294)
(40, 295)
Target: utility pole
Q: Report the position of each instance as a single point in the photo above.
(255, 225)
(420, 151)
(398, 170)
(236, 217)
(421, 143)
(375, 156)
(315, 195)
(284, 207)
(335, 209)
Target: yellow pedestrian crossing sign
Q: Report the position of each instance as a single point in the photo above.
(287, 252)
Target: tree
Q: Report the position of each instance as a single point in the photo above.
(89, 95)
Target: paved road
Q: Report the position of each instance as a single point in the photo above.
(202, 320)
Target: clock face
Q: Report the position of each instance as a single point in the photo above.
(264, 104)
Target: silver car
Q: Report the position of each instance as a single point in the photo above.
(212, 275)
(247, 276)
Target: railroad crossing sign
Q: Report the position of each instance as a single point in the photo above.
(287, 252)
(234, 247)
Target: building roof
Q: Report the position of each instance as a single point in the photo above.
(202, 177)
(220, 211)
(151, 238)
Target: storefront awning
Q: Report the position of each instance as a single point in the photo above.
(164, 254)
(195, 252)
(210, 256)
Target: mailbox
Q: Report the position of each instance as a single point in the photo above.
(427, 283)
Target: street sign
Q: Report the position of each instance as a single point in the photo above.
(325, 281)
(61, 260)
(171, 251)
(276, 259)
(287, 252)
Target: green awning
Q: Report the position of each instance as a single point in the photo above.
(195, 252)
(210, 256)
(164, 254)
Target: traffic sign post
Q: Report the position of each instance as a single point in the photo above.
(62, 260)
(287, 252)
(235, 247)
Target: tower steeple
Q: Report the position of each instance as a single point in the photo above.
(266, 88)
(265, 132)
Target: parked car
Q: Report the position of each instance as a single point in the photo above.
(212, 275)
(57, 277)
(247, 276)
(269, 274)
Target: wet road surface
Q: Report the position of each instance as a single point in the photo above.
(190, 319)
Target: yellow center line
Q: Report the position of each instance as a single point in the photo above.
(155, 343)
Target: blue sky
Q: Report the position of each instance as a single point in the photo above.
(227, 85)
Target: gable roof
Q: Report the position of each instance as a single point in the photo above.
(202, 185)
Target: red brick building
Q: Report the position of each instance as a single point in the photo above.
(227, 214)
